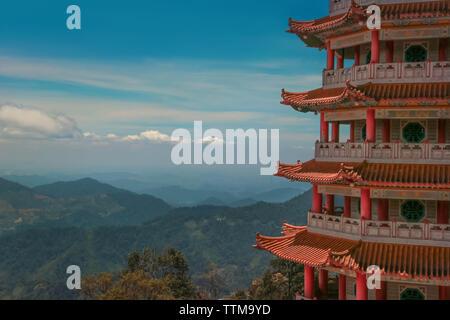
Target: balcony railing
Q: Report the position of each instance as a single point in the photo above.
(388, 73)
(372, 230)
(390, 152)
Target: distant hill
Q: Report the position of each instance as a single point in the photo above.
(34, 261)
(84, 203)
(82, 187)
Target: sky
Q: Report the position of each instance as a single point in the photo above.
(108, 96)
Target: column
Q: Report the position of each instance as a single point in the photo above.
(386, 131)
(366, 204)
(335, 132)
(330, 57)
(352, 131)
(309, 282)
(442, 212)
(389, 51)
(342, 287)
(361, 286)
(323, 128)
(443, 49)
(375, 46)
(329, 203)
(347, 207)
(442, 131)
(323, 282)
(442, 293)
(383, 209)
(370, 125)
(357, 55)
(317, 199)
(381, 294)
(340, 62)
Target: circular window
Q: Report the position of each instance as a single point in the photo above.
(413, 132)
(364, 133)
(369, 57)
(413, 210)
(412, 294)
(416, 53)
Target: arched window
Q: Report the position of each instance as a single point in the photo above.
(364, 133)
(416, 53)
(413, 132)
(369, 57)
(413, 210)
(412, 294)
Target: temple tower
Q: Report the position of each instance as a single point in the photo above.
(391, 88)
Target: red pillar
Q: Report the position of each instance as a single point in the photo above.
(443, 49)
(323, 128)
(317, 199)
(441, 131)
(323, 282)
(347, 206)
(366, 204)
(357, 55)
(335, 132)
(370, 125)
(375, 46)
(330, 57)
(340, 62)
(442, 212)
(309, 282)
(386, 131)
(381, 293)
(442, 293)
(342, 287)
(361, 286)
(329, 203)
(383, 209)
(389, 51)
(352, 131)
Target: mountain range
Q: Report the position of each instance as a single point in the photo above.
(96, 226)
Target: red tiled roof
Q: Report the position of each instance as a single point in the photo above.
(308, 30)
(403, 260)
(304, 247)
(354, 14)
(321, 99)
(399, 260)
(409, 10)
(371, 174)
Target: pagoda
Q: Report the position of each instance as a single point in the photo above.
(392, 176)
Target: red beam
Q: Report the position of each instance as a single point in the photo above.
(323, 282)
(389, 51)
(443, 49)
(381, 294)
(309, 282)
(330, 57)
(317, 199)
(361, 286)
(323, 128)
(375, 46)
(342, 287)
(347, 206)
(370, 125)
(366, 204)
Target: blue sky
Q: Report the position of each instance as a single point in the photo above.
(105, 97)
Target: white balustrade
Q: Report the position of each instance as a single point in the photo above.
(393, 152)
(379, 229)
(400, 72)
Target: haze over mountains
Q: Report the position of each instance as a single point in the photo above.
(95, 225)
(222, 192)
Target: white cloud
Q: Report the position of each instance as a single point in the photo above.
(32, 123)
(149, 135)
